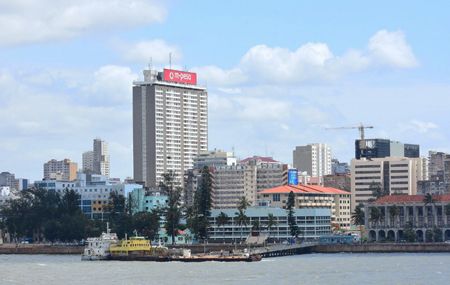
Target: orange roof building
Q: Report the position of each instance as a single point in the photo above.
(311, 196)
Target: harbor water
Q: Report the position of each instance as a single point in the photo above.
(401, 268)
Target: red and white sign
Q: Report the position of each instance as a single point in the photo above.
(180, 76)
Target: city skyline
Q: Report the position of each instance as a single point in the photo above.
(284, 78)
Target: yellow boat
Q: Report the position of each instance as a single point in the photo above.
(134, 245)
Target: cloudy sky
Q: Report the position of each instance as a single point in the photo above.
(278, 74)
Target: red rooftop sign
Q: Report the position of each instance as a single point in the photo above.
(180, 76)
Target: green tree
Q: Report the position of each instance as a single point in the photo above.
(173, 207)
(375, 215)
(437, 234)
(121, 221)
(377, 190)
(409, 233)
(290, 205)
(222, 220)
(202, 204)
(394, 211)
(358, 219)
(256, 226)
(271, 222)
(147, 223)
(242, 220)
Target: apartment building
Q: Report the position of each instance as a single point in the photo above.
(246, 179)
(60, 170)
(314, 159)
(395, 175)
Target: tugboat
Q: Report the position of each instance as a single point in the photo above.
(98, 248)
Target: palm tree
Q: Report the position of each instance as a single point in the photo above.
(256, 225)
(358, 218)
(242, 220)
(375, 215)
(271, 221)
(243, 203)
(222, 220)
(394, 211)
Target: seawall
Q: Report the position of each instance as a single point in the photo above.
(200, 248)
(40, 249)
(383, 248)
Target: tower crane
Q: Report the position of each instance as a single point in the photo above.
(361, 128)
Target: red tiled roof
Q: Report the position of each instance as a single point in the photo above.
(298, 189)
(409, 199)
(261, 158)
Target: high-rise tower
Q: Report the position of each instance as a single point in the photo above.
(170, 124)
(100, 157)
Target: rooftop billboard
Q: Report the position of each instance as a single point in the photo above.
(177, 76)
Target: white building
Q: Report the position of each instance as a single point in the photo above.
(312, 196)
(312, 223)
(395, 175)
(170, 124)
(315, 159)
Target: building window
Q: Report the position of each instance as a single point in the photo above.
(276, 197)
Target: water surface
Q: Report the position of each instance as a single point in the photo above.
(395, 268)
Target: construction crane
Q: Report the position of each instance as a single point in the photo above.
(361, 128)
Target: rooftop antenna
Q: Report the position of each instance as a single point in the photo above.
(150, 64)
(170, 60)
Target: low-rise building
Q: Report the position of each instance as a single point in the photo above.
(94, 193)
(390, 217)
(143, 201)
(312, 196)
(312, 223)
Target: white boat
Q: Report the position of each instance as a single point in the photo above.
(98, 248)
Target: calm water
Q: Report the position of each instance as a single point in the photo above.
(305, 269)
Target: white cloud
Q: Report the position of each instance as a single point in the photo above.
(312, 62)
(157, 50)
(220, 77)
(57, 124)
(111, 84)
(418, 126)
(391, 48)
(28, 21)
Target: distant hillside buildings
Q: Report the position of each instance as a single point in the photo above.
(60, 170)
(314, 159)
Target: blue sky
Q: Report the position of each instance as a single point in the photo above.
(278, 73)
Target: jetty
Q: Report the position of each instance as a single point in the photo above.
(284, 250)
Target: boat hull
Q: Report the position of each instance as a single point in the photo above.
(250, 258)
